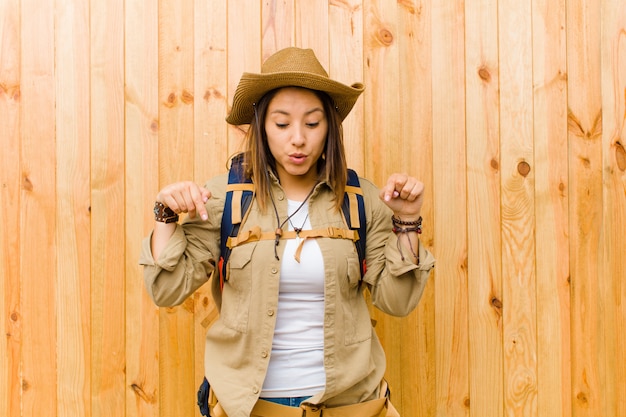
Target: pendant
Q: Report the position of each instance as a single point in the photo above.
(298, 238)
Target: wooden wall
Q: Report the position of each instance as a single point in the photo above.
(513, 112)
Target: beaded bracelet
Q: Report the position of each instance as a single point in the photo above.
(164, 214)
(399, 222)
(417, 227)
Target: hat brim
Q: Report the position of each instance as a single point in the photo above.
(252, 87)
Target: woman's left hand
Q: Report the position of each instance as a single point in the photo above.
(404, 195)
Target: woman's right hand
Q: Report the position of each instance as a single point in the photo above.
(185, 197)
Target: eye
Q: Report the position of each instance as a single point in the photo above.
(282, 125)
(313, 124)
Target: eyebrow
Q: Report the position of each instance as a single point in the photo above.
(286, 113)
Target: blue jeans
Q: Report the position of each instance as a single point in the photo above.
(289, 401)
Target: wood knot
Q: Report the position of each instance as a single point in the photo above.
(212, 92)
(27, 184)
(154, 126)
(12, 92)
(523, 168)
(171, 100)
(14, 316)
(139, 392)
(620, 156)
(484, 74)
(582, 398)
(575, 126)
(496, 303)
(495, 164)
(385, 36)
(186, 97)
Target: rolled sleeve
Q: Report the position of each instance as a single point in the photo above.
(396, 284)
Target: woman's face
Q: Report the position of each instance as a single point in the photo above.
(296, 128)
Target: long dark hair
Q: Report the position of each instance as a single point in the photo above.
(258, 160)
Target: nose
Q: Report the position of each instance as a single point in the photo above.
(297, 136)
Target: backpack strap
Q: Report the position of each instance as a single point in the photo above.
(353, 208)
(239, 194)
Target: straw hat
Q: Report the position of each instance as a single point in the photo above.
(289, 67)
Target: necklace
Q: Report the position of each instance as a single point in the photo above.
(279, 230)
(299, 229)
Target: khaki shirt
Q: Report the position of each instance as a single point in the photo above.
(239, 343)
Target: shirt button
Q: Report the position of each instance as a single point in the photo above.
(255, 390)
(270, 312)
(264, 354)
(274, 270)
(281, 197)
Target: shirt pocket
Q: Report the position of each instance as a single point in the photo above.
(357, 323)
(236, 295)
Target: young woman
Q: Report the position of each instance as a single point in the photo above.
(294, 334)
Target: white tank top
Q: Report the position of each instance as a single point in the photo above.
(296, 365)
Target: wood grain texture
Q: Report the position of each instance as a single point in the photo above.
(384, 146)
(551, 207)
(512, 113)
(210, 139)
(416, 384)
(484, 212)
(10, 192)
(518, 217)
(108, 373)
(176, 159)
(345, 28)
(244, 55)
(450, 207)
(141, 66)
(381, 55)
(311, 27)
(612, 289)
(585, 208)
(278, 25)
(37, 223)
(73, 309)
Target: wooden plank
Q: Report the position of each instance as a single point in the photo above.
(417, 386)
(585, 208)
(382, 96)
(107, 227)
(176, 159)
(551, 208)
(210, 144)
(450, 208)
(518, 223)
(243, 55)
(483, 210)
(312, 28)
(141, 187)
(73, 211)
(10, 324)
(611, 287)
(345, 28)
(37, 252)
(277, 22)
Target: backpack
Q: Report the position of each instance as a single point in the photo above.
(239, 194)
